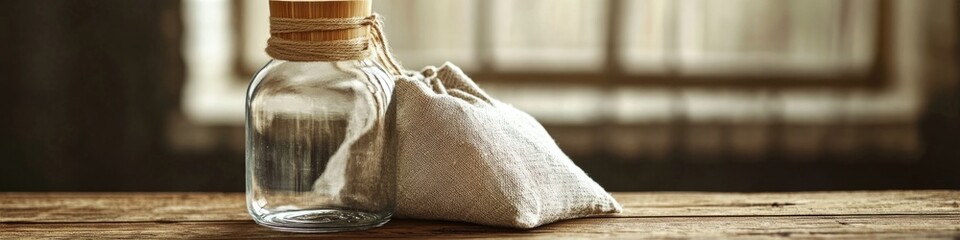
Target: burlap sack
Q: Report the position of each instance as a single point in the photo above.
(464, 156)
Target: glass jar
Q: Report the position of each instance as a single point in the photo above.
(317, 150)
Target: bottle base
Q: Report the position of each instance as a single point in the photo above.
(322, 220)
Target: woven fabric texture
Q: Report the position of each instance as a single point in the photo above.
(464, 156)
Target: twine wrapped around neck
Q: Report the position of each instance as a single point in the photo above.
(331, 50)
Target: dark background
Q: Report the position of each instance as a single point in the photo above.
(90, 88)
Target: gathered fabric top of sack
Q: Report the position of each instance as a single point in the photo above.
(464, 156)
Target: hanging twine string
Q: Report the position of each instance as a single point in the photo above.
(331, 50)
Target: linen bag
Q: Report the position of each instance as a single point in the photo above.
(464, 156)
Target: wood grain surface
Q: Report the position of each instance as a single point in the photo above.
(883, 214)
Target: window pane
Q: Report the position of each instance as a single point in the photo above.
(646, 35)
(430, 32)
(556, 35)
(750, 37)
(256, 31)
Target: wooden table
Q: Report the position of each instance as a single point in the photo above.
(898, 214)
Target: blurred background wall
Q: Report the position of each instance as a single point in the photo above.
(735, 95)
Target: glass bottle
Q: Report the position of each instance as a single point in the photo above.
(316, 139)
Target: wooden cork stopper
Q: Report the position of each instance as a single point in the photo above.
(307, 9)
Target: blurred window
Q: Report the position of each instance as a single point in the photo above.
(749, 37)
(513, 47)
(648, 77)
(656, 40)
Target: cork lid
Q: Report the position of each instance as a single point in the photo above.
(308, 9)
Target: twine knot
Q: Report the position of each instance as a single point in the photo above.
(356, 48)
